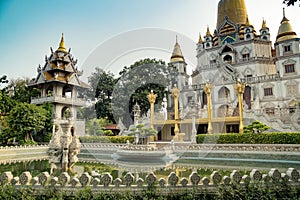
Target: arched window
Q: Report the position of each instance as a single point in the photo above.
(248, 36)
(67, 91)
(247, 96)
(223, 111)
(49, 91)
(247, 30)
(204, 99)
(66, 113)
(228, 58)
(224, 93)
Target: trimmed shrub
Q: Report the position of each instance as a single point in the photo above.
(106, 139)
(249, 138)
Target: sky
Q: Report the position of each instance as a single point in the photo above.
(110, 34)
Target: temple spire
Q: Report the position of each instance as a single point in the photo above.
(62, 45)
(264, 24)
(247, 21)
(285, 31)
(284, 19)
(208, 32)
(200, 41)
(177, 53)
(234, 10)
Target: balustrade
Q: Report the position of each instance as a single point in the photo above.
(105, 182)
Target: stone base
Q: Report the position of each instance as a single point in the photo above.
(178, 137)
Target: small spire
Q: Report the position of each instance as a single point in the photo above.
(247, 21)
(177, 53)
(208, 32)
(264, 24)
(62, 44)
(284, 19)
(200, 41)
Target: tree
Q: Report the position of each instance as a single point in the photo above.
(24, 119)
(45, 134)
(6, 103)
(136, 82)
(93, 82)
(3, 79)
(142, 132)
(19, 90)
(104, 90)
(96, 127)
(255, 127)
(290, 2)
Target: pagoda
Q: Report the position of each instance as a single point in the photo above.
(58, 81)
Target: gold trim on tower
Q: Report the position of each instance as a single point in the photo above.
(235, 10)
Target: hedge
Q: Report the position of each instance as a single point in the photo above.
(106, 139)
(249, 138)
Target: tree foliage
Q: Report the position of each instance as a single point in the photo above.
(24, 119)
(19, 91)
(255, 127)
(136, 82)
(44, 135)
(105, 87)
(290, 2)
(6, 103)
(96, 127)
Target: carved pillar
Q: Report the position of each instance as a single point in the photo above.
(136, 114)
(239, 89)
(175, 94)
(151, 98)
(194, 131)
(208, 89)
(65, 140)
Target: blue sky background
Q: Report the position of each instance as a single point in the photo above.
(28, 28)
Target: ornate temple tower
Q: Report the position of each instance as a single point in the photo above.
(58, 81)
(287, 47)
(235, 11)
(178, 61)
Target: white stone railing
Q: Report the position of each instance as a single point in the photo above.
(34, 153)
(105, 182)
(15, 154)
(102, 145)
(58, 99)
(247, 147)
(198, 147)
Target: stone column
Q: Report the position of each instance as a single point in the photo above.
(194, 131)
(208, 89)
(151, 99)
(239, 89)
(175, 94)
(136, 114)
(65, 141)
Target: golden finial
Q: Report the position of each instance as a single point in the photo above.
(176, 39)
(284, 19)
(208, 32)
(264, 24)
(247, 21)
(62, 45)
(200, 41)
